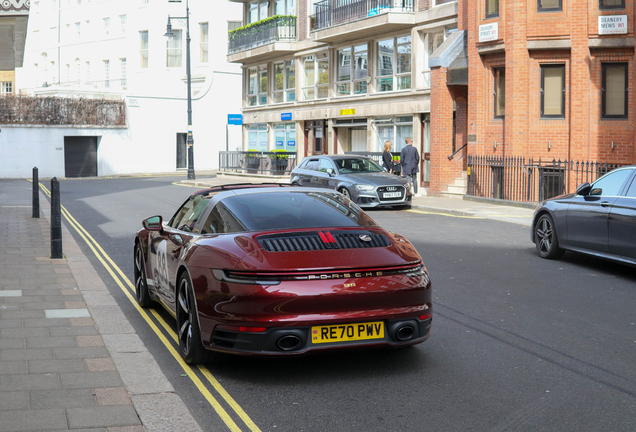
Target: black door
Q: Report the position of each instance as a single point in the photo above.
(182, 151)
(80, 156)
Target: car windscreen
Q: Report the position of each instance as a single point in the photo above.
(290, 210)
(357, 166)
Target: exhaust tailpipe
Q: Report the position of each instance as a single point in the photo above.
(288, 342)
(405, 333)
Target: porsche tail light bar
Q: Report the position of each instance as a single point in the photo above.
(275, 278)
(242, 329)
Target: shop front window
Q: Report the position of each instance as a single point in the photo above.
(396, 130)
(257, 136)
(285, 136)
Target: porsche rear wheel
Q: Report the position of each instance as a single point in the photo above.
(545, 238)
(141, 283)
(190, 346)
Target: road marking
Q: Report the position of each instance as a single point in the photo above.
(94, 246)
(187, 185)
(446, 214)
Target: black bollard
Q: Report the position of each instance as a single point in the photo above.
(36, 194)
(56, 220)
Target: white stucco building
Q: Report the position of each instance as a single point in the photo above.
(116, 49)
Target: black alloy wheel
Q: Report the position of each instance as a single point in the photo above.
(190, 346)
(141, 283)
(345, 192)
(545, 238)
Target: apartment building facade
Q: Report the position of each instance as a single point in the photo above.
(332, 76)
(117, 49)
(549, 79)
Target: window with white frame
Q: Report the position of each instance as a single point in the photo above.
(257, 137)
(258, 10)
(52, 72)
(257, 86)
(106, 25)
(78, 32)
(122, 23)
(45, 64)
(173, 51)
(143, 49)
(204, 42)
(394, 64)
(316, 76)
(352, 70)
(432, 42)
(106, 73)
(284, 82)
(123, 72)
(68, 72)
(6, 88)
(285, 7)
(87, 71)
(78, 70)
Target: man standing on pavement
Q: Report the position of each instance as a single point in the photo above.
(410, 161)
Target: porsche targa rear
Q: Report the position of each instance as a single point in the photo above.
(281, 271)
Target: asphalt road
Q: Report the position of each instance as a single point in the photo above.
(518, 343)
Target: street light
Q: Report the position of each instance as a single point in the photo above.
(169, 34)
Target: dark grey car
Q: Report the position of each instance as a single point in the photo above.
(599, 219)
(357, 177)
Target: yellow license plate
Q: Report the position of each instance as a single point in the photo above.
(347, 332)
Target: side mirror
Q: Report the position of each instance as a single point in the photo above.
(153, 223)
(330, 172)
(584, 189)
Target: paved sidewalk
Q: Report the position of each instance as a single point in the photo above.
(69, 358)
(484, 210)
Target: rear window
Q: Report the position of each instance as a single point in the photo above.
(283, 210)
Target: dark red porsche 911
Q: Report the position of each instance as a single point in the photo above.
(280, 270)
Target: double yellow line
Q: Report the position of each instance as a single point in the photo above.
(128, 288)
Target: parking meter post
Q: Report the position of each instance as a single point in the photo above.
(36, 194)
(56, 220)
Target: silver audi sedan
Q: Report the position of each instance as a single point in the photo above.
(357, 177)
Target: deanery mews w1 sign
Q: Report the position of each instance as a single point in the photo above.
(612, 24)
(488, 32)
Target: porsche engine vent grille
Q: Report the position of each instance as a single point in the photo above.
(311, 241)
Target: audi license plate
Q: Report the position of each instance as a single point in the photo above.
(391, 194)
(347, 332)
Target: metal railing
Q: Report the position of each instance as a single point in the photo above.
(529, 180)
(274, 163)
(282, 28)
(333, 12)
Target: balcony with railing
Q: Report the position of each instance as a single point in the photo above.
(334, 18)
(277, 30)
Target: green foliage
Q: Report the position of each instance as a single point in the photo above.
(252, 153)
(279, 156)
(396, 158)
(253, 28)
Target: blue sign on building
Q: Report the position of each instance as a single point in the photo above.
(235, 119)
(291, 143)
(285, 116)
(279, 144)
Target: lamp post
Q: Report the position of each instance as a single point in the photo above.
(190, 139)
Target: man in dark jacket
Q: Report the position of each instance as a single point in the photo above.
(410, 161)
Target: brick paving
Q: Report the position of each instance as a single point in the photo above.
(55, 373)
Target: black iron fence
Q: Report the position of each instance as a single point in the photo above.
(251, 162)
(529, 180)
(274, 29)
(333, 12)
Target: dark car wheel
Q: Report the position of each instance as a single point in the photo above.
(190, 346)
(345, 192)
(141, 284)
(545, 238)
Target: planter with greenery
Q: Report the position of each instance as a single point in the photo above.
(253, 160)
(280, 160)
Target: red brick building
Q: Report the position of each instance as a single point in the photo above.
(549, 79)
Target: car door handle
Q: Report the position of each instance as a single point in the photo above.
(605, 203)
